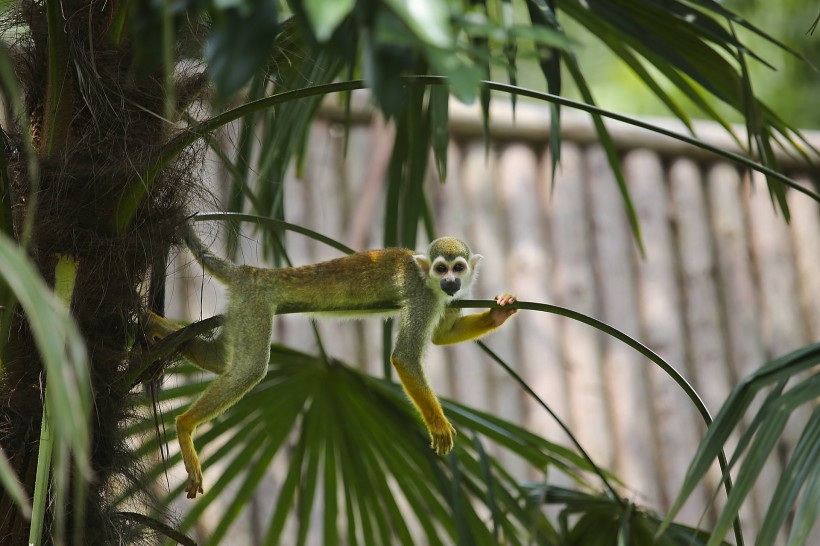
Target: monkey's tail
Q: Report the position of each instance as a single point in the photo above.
(223, 270)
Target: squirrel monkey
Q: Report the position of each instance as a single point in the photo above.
(416, 287)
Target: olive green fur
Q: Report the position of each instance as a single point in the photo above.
(449, 248)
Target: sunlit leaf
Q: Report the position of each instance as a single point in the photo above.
(635, 64)
(427, 19)
(325, 15)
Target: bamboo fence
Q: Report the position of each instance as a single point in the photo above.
(725, 284)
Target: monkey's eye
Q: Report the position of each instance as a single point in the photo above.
(458, 268)
(441, 268)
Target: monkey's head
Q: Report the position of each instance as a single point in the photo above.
(449, 267)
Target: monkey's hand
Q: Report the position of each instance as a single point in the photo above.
(441, 436)
(499, 315)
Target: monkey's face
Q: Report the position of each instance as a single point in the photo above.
(453, 276)
(449, 267)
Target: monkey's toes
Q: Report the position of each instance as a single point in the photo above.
(194, 484)
(442, 442)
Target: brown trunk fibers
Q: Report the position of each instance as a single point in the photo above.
(96, 133)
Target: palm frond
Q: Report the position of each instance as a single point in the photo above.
(758, 441)
(361, 437)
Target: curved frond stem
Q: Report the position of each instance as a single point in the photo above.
(634, 344)
(156, 525)
(140, 186)
(523, 384)
(732, 156)
(271, 222)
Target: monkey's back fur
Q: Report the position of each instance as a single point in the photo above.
(333, 287)
(340, 285)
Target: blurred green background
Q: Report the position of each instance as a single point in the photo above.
(792, 88)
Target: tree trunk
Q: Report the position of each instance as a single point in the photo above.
(97, 127)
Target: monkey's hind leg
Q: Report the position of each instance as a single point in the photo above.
(418, 389)
(414, 335)
(247, 334)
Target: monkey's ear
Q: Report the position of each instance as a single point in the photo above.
(423, 263)
(474, 259)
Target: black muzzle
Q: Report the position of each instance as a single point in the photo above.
(450, 286)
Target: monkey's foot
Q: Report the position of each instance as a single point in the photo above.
(158, 327)
(189, 458)
(442, 438)
(194, 481)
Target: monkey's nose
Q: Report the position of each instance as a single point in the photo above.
(450, 286)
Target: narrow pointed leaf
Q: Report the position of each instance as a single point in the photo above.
(439, 126)
(731, 413)
(543, 14)
(60, 346)
(330, 481)
(490, 484)
(808, 511)
(287, 493)
(760, 449)
(638, 68)
(609, 148)
(797, 473)
(510, 49)
(712, 5)
(417, 125)
(255, 472)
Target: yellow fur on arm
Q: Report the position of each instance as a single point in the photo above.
(464, 329)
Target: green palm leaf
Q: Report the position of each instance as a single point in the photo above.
(760, 438)
(360, 434)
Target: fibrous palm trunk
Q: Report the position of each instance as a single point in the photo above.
(97, 126)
